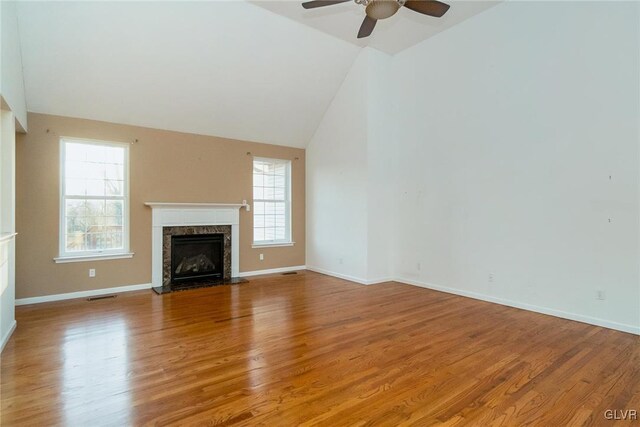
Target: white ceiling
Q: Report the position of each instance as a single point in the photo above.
(257, 71)
(228, 69)
(403, 30)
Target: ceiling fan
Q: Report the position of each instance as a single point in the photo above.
(382, 9)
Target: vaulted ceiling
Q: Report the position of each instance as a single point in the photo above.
(258, 72)
(405, 29)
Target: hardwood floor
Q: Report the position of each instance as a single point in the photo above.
(314, 350)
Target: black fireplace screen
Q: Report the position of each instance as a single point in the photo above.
(197, 257)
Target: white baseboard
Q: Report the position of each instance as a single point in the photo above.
(5, 338)
(380, 280)
(529, 307)
(543, 310)
(338, 275)
(271, 271)
(119, 289)
(349, 278)
(82, 294)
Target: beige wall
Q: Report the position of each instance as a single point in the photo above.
(164, 166)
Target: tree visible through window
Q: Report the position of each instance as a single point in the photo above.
(271, 201)
(94, 201)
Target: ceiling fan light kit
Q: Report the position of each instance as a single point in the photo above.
(376, 10)
(381, 9)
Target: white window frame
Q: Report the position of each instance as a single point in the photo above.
(93, 255)
(288, 240)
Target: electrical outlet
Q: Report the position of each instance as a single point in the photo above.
(261, 257)
(418, 266)
(92, 272)
(339, 260)
(600, 295)
(492, 277)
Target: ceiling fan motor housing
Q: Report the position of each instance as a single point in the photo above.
(382, 9)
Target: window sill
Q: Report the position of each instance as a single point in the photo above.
(82, 258)
(272, 245)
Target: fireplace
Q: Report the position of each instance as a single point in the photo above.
(197, 257)
(179, 219)
(195, 254)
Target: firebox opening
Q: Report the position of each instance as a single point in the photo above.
(197, 257)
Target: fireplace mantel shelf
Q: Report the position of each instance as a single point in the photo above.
(171, 205)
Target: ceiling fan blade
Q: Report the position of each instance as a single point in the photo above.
(367, 27)
(320, 3)
(428, 7)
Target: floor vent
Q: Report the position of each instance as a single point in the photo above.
(101, 297)
(289, 272)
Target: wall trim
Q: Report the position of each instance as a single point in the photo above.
(271, 271)
(129, 288)
(529, 307)
(82, 294)
(338, 275)
(5, 338)
(349, 278)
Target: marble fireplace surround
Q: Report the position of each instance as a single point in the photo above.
(168, 232)
(192, 215)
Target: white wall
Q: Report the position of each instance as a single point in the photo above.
(336, 182)
(11, 79)
(510, 126)
(381, 162)
(349, 160)
(7, 226)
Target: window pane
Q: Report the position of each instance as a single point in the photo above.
(95, 207)
(269, 208)
(110, 221)
(258, 234)
(268, 193)
(114, 207)
(115, 240)
(94, 187)
(76, 187)
(269, 234)
(258, 208)
(269, 181)
(75, 152)
(75, 242)
(114, 155)
(114, 172)
(75, 208)
(94, 223)
(95, 241)
(258, 193)
(114, 188)
(269, 220)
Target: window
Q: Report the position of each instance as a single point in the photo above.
(94, 201)
(271, 201)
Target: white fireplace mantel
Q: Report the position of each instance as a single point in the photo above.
(193, 214)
